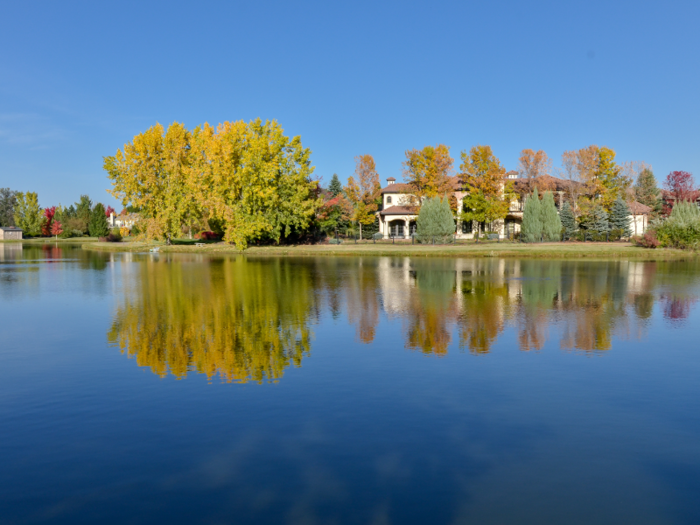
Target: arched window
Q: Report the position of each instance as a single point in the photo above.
(388, 199)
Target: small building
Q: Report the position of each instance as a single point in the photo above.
(10, 233)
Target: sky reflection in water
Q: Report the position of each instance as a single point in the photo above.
(347, 390)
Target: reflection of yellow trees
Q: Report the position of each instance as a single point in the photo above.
(362, 299)
(483, 313)
(243, 319)
(432, 307)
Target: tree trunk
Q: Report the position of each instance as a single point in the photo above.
(360, 231)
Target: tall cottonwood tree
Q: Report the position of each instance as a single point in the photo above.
(28, 214)
(151, 173)
(364, 191)
(483, 177)
(254, 179)
(428, 171)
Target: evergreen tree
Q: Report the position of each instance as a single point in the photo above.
(568, 220)
(335, 187)
(597, 221)
(551, 223)
(435, 220)
(531, 230)
(83, 211)
(620, 218)
(98, 226)
(646, 190)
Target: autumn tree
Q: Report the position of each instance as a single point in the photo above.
(489, 193)
(47, 221)
(334, 214)
(428, 171)
(151, 173)
(574, 177)
(56, 228)
(28, 213)
(254, 179)
(364, 192)
(680, 185)
(611, 181)
(533, 164)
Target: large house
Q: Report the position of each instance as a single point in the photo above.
(399, 212)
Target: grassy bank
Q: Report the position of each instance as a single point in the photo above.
(545, 251)
(44, 240)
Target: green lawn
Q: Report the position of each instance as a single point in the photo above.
(482, 249)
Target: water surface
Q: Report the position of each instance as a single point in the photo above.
(140, 388)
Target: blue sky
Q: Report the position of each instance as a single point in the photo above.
(79, 79)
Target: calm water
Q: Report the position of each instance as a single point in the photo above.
(186, 389)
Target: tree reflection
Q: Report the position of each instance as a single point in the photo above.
(243, 320)
(248, 319)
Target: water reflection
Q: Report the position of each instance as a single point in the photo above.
(242, 320)
(249, 319)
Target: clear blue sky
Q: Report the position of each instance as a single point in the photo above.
(79, 79)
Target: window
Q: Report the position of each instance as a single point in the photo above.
(388, 199)
(466, 226)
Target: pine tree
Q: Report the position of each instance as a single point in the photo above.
(335, 187)
(551, 224)
(435, 220)
(532, 219)
(597, 221)
(568, 220)
(620, 218)
(98, 226)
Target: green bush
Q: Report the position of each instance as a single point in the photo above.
(681, 229)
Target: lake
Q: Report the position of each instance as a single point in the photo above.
(175, 388)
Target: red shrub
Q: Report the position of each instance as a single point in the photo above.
(648, 240)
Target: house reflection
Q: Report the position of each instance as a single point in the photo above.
(246, 319)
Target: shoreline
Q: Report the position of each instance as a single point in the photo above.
(589, 250)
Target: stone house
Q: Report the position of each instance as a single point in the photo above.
(10, 233)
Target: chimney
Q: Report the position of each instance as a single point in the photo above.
(391, 180)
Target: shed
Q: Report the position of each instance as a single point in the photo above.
(10, 233)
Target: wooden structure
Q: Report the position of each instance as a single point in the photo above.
(10, 233)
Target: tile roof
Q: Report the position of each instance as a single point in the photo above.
(400, 210)
(637, 208)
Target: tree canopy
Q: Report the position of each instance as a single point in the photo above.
(428, 171)
(483, 177)
(249, 177)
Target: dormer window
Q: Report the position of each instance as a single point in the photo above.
(388, 199)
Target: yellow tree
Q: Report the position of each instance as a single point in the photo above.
(596, 168)
(364, 191)
(253, 179)
(534, 164)
(428, 171)
(150, 174)
(483, 177)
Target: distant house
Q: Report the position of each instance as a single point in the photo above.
(123, 221)
(10, 233)
(399, 212)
